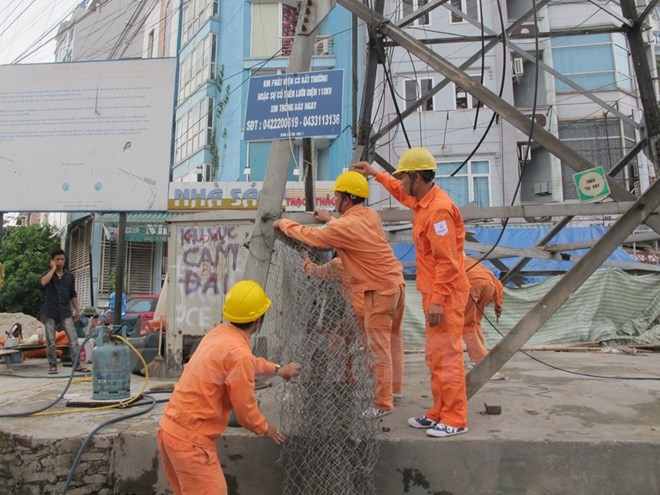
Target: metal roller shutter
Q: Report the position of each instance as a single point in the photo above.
(79, 262)
(139, 267)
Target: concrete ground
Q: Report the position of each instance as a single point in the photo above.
(558, 433)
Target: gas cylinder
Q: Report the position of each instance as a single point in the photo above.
(111, 376)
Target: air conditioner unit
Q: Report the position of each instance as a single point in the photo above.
(322, 46)
(518, 68)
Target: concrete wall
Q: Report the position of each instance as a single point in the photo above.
(128, 464)
(32, 467)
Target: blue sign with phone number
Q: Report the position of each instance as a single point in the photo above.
(301, 105)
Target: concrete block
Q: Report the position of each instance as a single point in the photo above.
(61, 472)
(37, 476)
(30, 490)
(94, 456)
(95, 479)
(82, 490)
(100, 443)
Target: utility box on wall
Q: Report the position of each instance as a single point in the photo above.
(207, 253)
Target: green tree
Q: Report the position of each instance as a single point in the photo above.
(25, 255)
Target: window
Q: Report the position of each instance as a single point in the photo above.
(469, 7)
(415, 89)
(471, 184)
(198, 66)
(289, 23)
(150, 44)
(195, 15)
(410, 6)
(463, 99)
(598, 140)
(273, 29)
(203, 173)
(194, 129)
(594, 61)
(141, 305)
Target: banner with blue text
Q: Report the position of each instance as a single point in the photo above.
(301, 105)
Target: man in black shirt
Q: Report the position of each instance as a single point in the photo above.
(61, 294)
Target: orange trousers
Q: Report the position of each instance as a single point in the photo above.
(190, 469)
(481, 295)
(383, 313)
(444, 357)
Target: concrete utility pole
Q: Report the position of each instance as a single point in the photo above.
(312, 12)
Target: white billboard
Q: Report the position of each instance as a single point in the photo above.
(90, 136)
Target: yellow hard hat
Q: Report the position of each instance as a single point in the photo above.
(415, 160)
(353, 183)
(245, 302)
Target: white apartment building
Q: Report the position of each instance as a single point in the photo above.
(451, 125)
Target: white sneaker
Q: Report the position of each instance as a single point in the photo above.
(373, 413)
(498, 376)
(441, 431)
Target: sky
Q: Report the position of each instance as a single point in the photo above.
(23, 22)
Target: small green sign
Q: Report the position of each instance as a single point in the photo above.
(591, 184)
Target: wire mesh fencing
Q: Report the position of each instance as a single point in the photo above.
(331, 448)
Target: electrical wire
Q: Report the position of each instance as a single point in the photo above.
(532, 120)
(501, 91)
(40, 386)
(42, 411)
(396, 104)
(83, 447)
(59, 397)
(590, 375)
(483, 62)
(17, 17)
(120, 404)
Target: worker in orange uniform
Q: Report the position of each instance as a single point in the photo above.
(218, 379)
(373, 271)
(485, 288)
(438, 233)
(341, 338)
(335, 269)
